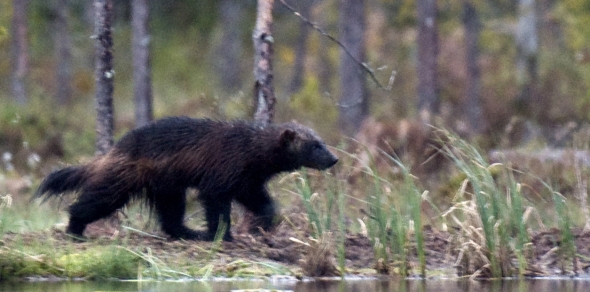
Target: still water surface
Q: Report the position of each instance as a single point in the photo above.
(536, 285)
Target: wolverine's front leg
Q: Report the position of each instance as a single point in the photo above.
(217, 214)
(258, 201)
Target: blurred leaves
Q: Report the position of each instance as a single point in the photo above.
(576, 16)
(3, 34)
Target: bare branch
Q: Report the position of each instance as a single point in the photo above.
(364, 65)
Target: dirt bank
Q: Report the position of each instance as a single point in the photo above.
(289, 250)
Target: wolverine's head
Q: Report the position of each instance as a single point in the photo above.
(307, 147)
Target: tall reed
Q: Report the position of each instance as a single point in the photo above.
(411, 191)
(498, 221)
(321, 208)
(394, 213)
(567, 249)
(320, 218)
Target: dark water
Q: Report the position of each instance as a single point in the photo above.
(540, 285)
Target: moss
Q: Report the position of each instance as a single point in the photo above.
(16, 264)
(100, 263)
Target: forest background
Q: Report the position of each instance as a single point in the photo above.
(509, 76)
(505, 73)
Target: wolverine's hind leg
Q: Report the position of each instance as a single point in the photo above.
(93, 205)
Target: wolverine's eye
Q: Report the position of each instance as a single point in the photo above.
(316, 147)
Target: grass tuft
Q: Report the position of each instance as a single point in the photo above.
(489, 214)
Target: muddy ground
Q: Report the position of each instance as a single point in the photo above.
(290, 246)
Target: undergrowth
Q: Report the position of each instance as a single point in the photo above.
(489, 222)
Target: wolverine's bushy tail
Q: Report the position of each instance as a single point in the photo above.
(61, 181)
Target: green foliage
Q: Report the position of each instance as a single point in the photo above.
(403, 12)
(3, 34)
(33, 130)
(185, 14)
(312, 106)
(576, 16)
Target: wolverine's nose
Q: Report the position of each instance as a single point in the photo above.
(325, 161)
(331, 161)
(334, 161)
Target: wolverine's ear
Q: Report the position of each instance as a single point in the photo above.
(288, 136)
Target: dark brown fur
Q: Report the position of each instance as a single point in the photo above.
(225, 161)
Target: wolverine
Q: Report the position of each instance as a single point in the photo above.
(225, 161)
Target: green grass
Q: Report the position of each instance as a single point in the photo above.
(567, 248)
(21, 216)
(490, 213)
(393, 215)
(42, 258)
(119, 260)
(321, 208)
(318, 223)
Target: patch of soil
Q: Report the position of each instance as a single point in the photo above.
(551, 259)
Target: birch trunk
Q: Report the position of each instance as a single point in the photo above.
(142, 82)
(104, 75)
(263, 46)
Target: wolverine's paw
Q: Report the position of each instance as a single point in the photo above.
(186, 234)
(189, 234)
(208, 236)
(264, 224)
(76, 237)
(228, 237)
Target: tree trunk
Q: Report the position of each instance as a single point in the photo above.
(231, 16)
(63, 53)
(88, 15)
(527, 48)
(142, 84)
(472, 25)
(301, 48)
(20, 54)
(104, 75)
(263, 46)
(428, 99)
(326, 68)
(353, 103)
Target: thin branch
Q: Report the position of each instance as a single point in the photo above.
(364, 65)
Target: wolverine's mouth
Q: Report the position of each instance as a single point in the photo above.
(327, 164)
(333, 162)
